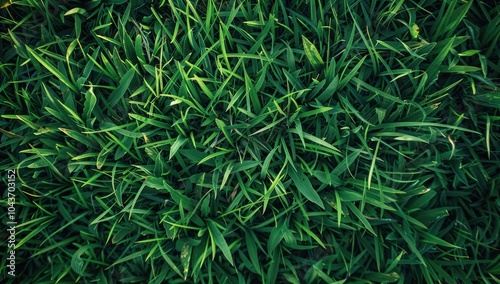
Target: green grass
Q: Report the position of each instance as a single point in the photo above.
(252, 141)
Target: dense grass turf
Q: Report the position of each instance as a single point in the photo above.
(252, 141)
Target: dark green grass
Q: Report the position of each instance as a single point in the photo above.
(252, 142)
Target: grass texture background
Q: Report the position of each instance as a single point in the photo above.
(252, 141)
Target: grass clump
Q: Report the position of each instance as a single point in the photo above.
(252, 141)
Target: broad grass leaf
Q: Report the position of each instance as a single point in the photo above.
(21, 48)
(267, 162)
(308, 231)
(129, 257)
(469, 52)
(42, 224)
(251, 240)
(246, 166)
(77, 263)
(344, 165)
(179, 142)
(219, 240)
(491, 99)
(407, 235)
(89, 104)
(223, 127)
(312, 54)
(415, 30)
(177, 196)
(349, 76)
(361, 217)
(122, 88)
(216, 154)
(433, 69)
(315, 140)
(73, 11)
(431, 239)
(305, 187)
(327, 178)
(168, 260)
(103, 154)
(186, 258)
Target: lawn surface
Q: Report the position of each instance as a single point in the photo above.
(251, 141)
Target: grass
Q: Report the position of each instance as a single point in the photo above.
(252, 141)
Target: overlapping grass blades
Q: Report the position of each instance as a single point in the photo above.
(247, 142)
